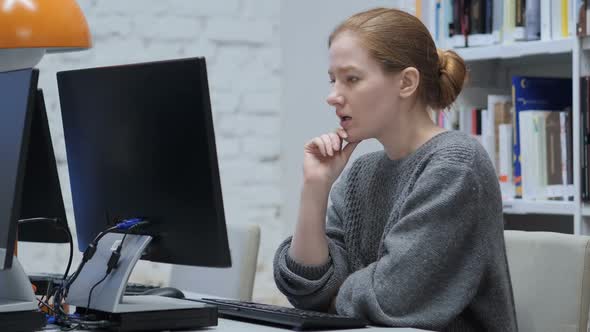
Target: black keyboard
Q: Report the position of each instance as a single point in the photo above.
(137, 289)
(291, 317)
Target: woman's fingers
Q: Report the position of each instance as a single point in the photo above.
(336, 141)
(342, 133)
(319, 143)
(328, 144)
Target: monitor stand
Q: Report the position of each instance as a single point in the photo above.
(18, 305)
(137, 312)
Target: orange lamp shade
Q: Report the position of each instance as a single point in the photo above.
(54, 25)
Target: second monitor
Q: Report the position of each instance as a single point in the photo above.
(140, 144)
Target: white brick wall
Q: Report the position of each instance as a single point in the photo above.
(240, 39)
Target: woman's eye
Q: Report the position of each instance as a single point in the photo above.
(352, 79)
(332, 81)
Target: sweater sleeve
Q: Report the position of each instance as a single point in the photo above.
(314, 287)
(434, 256)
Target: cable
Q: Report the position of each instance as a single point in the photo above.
(91, 249)
(38, 219)
(111, 264)
(46, 305)
(48, 291)
(115, 256)
(61, 292)
(92, 290)
(71, 241)
(66, 230)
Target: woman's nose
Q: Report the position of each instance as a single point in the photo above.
(334, 99)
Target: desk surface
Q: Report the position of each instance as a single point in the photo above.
(227, 325)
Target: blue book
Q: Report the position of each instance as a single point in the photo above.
(536, 94)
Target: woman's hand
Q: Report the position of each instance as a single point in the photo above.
(325, 157)
(323, 161)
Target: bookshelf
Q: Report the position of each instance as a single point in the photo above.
(490, 71)
(566, 57)
(520, 206)
(516, 50)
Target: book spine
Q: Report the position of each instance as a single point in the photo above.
(489, 16)
(508, 22)
(533, 20)
(563, 123)
(581, 17)
(556, 19)
(476, 19)
(545, 19)
(517, 176)
(553, 155)
(497, 20)
(584, 132)
(564, 18)
(505, 161)
(526, 163)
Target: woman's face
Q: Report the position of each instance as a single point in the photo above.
(365, 98)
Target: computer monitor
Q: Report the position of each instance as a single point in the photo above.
(18, 308)
(41, 194)
(17, 96)
(140, 144)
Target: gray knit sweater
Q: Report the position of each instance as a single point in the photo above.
(416, 242)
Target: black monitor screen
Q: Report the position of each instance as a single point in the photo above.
(140, 143)
(17, 94)
(41, 192)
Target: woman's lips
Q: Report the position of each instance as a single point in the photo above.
(345, 121)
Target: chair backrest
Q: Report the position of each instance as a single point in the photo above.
(236, 282)
(550, 275)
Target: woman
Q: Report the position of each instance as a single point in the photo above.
(414, 234)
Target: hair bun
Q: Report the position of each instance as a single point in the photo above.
(452, 74)
(442, 60)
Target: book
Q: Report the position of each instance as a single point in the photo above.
(546, 20)
(509, 22)
(505, 161)
(532, 22)
(499, 107)
(535, 94)
(567, 150)
(497, 20)
(585, 131)
(533, 157)
(556, 186)
(519, 20)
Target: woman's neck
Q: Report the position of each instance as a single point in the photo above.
(411, 130)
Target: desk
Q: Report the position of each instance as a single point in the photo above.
(228, 325)
(233, 325)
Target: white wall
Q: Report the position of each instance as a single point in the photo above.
(240, 39)
(305, 27)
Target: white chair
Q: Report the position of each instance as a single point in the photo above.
(236, 282)
(550, 275)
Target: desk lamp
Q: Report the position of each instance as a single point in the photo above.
(31, 28)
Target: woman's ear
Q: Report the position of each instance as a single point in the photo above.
(409, 81)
